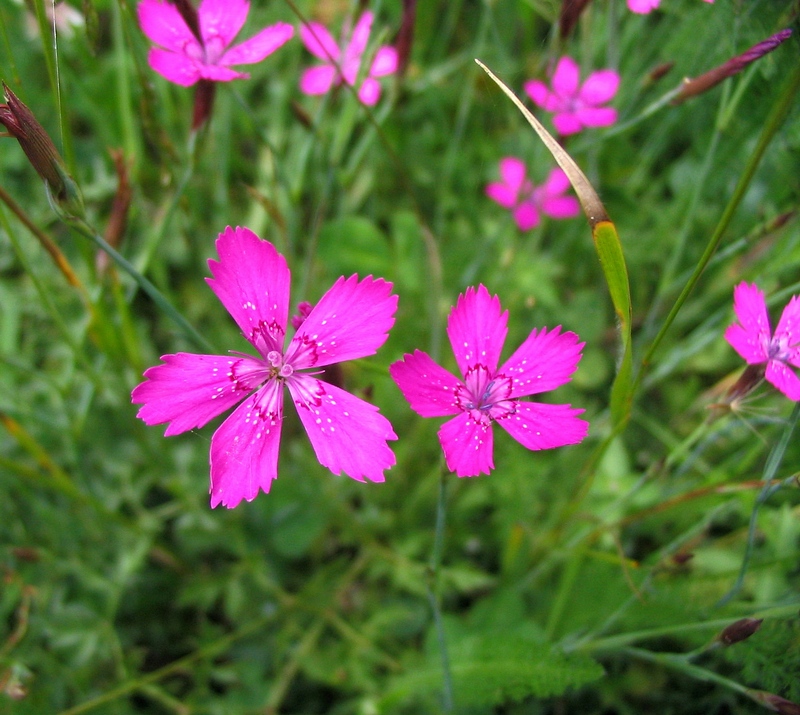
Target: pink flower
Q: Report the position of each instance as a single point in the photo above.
(751, 337)
(184, 57)
(576, 106)
(344, 65)
(487, 394)
(645, 6)
(527, 201)
(350, 321)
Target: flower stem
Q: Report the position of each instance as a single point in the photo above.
(157, 296)
(433, 591)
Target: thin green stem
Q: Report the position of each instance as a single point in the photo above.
(156, 295)
(433, 591)
(771, 467)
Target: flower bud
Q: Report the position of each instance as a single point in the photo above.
(775, 702)
(693, 87)
(42, 154)
(739, 630)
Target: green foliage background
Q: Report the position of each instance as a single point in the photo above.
(587, 579)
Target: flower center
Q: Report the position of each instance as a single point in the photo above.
(485, 396)
(278, 368)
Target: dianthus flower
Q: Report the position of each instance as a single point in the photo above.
(344, 65)
(186, 55)
(575, 105)
(527, 201)
(350, 321)
(487, 394)
(643, 7)
(753, 339)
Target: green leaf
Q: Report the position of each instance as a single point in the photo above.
(496, 668)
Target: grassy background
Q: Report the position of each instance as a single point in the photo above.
(122, 592)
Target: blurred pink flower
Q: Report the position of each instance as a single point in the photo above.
(351, 321)
(487, 394)
(527, 201)
(185, 56)
(576, 106)
(645, 6)
(753, 339)
(344, 65)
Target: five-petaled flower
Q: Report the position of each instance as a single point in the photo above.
(527, 201)
(350, 321)
(477, 331)
(753, 339)
(344, 65)
(184, 57)
(575, 105)
(643, 7)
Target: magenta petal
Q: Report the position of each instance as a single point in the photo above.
(359, 39)
(644, 6)
(512, 172)
(370, 92)
(536, 425)
(244, 450)
(599, 87)
(384, 63)
(317, 80)
(429, 388)
(788, 330)
(350, 321)
(468, 446)
(222, 19)
(257, 48)
(252, 281)
(163, 25)
(561, 206)
(477, 329)
(556, 183)
(567, 123)
(750, 337)
(174, 67)
(502, 194)
(566, 77)
(217, 73)
(541, 95)
(545, 361)
(784, 378)
(319, 42)
(348, 435)
(599, 117)
(526, 215)
(189, 390)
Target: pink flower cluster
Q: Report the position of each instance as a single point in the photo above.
(185, 54)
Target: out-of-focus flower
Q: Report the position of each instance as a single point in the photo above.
(477, 330)
(576, 106)
(753, 339)
(185, 54)
(739, 630)
(645, 6)
(64, 18)
(344, 65)
(526, 201)
(698, 85)
(350, 321)
(42, 154)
